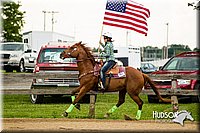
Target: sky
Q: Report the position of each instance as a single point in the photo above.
(83, 19)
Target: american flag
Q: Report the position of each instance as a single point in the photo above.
(127, 14)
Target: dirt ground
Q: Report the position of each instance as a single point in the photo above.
(94, 125)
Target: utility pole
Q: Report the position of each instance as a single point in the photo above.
(52, 19)
(196, 6)
(198, 31)
(127, 38)
(166, 53)
(44, 19)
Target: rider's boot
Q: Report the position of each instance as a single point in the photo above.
(102, 87)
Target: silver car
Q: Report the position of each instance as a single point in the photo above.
(17, 56)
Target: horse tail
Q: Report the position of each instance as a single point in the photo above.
(155, 89)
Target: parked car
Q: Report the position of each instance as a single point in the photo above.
(148, 68)
(17, 56)
(48, 61)
(186, 63)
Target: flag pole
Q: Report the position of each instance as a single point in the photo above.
(100, 40)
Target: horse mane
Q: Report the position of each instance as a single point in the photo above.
(88, 52)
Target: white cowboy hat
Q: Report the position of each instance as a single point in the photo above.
(108, 34)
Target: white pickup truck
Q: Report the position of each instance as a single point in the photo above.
(17, 56)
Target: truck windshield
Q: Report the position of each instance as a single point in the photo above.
(52, 55)
(12, 47)
(183, 63)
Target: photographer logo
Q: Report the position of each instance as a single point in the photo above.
(177, 117)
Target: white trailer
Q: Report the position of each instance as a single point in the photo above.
(38, 38)
(129, 55)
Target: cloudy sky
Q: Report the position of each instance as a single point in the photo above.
(83, 19)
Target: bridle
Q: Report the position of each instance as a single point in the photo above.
(69, 53)
(81, 60)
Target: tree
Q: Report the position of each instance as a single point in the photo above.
(13, 21)
(196, 49)
(177, 48)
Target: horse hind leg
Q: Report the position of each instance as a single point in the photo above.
(121, 100)
(139, 102)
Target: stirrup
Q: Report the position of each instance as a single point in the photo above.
(101, 86)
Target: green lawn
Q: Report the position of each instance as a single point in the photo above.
(19, 106)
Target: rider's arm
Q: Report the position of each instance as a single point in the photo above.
(102, 44)
(107, 50)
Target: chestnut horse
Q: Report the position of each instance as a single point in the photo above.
(131, 84)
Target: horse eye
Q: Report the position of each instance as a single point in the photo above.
(75, 49)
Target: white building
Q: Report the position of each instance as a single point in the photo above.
(38, 38)
(129, 55)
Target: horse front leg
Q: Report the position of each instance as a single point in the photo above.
(77, 105)
(81, 93)
(70, 108)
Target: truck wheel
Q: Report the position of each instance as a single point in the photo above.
(8, 69)
(21, 67)
(35, 99)
(196, 99)
(56, 95)
(153, 99)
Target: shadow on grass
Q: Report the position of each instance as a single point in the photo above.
(61, 99)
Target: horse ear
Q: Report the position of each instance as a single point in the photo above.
(80, 42)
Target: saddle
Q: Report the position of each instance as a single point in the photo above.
(115, 72)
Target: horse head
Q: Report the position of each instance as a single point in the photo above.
(189, 117)
(71, 52)
(181, 116)
(78, 51)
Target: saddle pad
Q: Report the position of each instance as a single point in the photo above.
(119, 73)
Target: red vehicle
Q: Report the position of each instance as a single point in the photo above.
(48, 62)
(185, 63)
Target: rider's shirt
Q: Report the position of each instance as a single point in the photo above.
(108, 51)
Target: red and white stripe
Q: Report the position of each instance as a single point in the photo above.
(134, 18)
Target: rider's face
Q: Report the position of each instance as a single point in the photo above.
(105, 39)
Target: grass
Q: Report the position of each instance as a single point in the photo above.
(19, 106)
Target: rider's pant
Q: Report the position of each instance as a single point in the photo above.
(108, 65)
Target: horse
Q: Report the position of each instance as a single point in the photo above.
(131, 84)
(181, 116)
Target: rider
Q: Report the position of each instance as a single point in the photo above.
(108, 52)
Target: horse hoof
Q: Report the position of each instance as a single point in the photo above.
(78, 106)
(65, 114)
(106, 115)
(126, 117)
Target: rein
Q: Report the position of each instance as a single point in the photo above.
(86, 73)
(83, 59)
